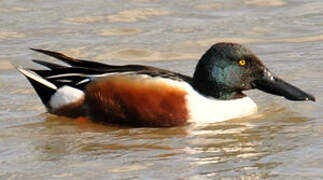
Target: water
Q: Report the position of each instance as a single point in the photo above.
(282, 141)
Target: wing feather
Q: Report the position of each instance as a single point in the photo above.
(80, 72)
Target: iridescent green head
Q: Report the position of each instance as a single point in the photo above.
(227, 69)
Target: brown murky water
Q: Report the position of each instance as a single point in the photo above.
(283, 141)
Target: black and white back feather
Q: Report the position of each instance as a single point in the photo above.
(78, 73)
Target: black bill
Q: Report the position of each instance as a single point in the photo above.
(277, 86)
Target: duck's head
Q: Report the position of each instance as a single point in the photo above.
(227, 69)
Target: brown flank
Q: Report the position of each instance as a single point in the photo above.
(139, 102)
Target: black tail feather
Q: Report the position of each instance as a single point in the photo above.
(72, 61)
(91, 64)
(49, 65)
(43, 91)
(43, 88)
(57, 55)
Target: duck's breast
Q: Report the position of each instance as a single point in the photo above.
(208, 110)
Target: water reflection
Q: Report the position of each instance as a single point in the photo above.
(120, 32)
(123, 16)
(5, 35)
(268, 3)
(224, 149)
(136, 14)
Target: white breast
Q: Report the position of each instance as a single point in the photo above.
(208, 110)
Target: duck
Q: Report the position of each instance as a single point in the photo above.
(140, 95)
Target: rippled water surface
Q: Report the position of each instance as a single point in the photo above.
(283, 141)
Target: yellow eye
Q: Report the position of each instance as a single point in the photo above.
(242, 62)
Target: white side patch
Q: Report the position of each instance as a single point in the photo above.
(65, 95)
(36, 77)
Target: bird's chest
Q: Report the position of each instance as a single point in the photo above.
(209, 110)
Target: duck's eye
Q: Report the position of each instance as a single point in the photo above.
(242, 62)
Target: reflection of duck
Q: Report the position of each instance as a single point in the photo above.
(149, 96)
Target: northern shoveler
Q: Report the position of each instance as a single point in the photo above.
(148, 96)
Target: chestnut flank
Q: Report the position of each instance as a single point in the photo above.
(136, 101)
